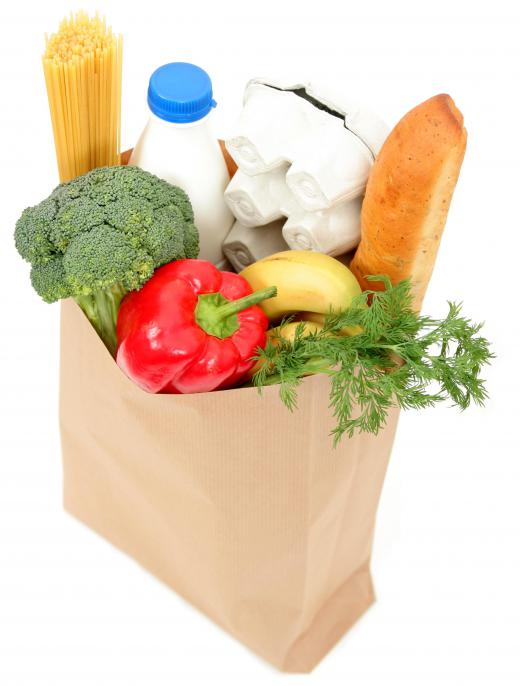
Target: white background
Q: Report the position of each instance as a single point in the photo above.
(73, 610)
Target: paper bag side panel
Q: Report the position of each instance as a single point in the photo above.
(344, 491)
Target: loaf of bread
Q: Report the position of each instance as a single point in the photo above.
(408, 196)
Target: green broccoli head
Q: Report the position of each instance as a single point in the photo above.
(109, 228)
(103, 234)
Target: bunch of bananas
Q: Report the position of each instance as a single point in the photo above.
(309, 285)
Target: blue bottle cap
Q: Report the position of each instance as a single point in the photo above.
(180, 92)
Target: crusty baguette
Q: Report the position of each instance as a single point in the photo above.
(408, 196)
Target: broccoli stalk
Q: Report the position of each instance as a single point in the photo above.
(101, 308)
(102, 235)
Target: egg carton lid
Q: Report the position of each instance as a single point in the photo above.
(362, 122)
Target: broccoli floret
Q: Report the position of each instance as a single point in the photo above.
(170, 223)
(32, 235)
(102, 235)
(74, 218)
(48, 279)
(191, 240)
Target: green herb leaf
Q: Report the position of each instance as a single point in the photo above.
(400, 358)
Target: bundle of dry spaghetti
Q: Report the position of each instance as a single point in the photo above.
(83, 70)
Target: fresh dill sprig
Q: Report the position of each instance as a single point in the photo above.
(399, 358)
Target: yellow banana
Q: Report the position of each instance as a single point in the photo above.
(287, 332)
(306, 281)
(320, 319)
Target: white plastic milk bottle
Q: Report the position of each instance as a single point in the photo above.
(177, 145)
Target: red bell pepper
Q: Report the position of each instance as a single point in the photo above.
(190, 329)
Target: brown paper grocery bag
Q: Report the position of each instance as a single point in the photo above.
(243, 508)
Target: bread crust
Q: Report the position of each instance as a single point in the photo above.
(408, 196)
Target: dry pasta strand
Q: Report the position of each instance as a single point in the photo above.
(82, 64)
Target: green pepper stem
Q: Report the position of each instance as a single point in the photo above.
(235, 306)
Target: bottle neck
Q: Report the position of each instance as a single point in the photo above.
(178, 125)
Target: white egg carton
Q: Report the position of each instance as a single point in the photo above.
(305, 156)
(245, 244)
